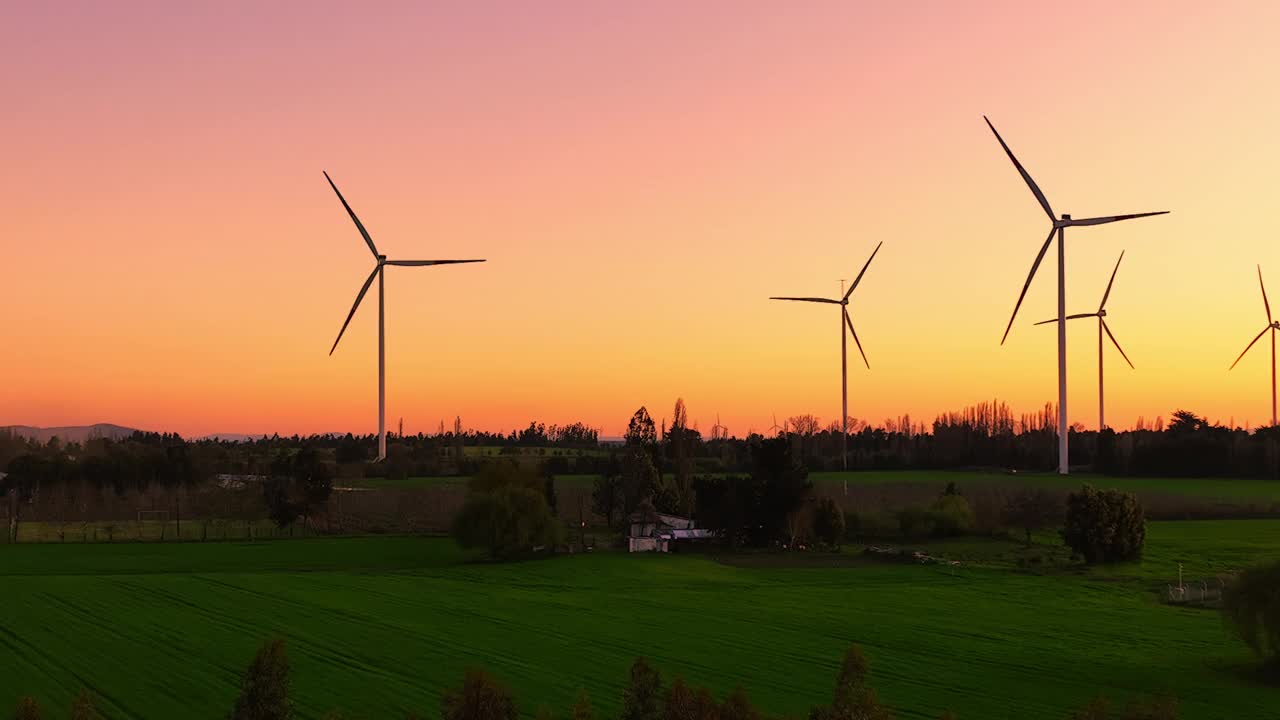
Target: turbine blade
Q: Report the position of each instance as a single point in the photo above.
(1107, 294)
(360, 296)
(856, 341)
(420, 263)
(864, 269)
(354, 219)
(1112, 218)
(1114, 342)
(1023, 171)
(1264, 295)
(1034, 266)
(808, 299)
(1246, 347)
(1069, 317)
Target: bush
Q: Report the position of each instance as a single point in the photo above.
(915, 523)
(952, 515)
(264, 690)
(828, 522)
(1105, 525)
(640, 697)
(507, 521)
(687, 703)
(1251, 606)
(481, 697)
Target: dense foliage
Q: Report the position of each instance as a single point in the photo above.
(1251, 606)
(1104, 526)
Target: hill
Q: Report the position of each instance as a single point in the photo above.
(70, 433)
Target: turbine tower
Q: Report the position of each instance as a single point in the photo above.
(845, 321)
(1059, 227)
(380, 263)
(1273, 326)
(1101, 314)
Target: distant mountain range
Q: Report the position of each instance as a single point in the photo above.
(70, 433)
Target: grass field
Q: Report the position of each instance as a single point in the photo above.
(1228, 489)
(378, 626)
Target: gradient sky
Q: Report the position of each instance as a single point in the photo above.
(641, 177)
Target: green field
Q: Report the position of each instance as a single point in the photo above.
(378, 626)
(1227, 489)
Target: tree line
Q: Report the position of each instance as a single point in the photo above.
(267, 684)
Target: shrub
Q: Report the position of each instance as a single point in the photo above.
(828, 522)
(1032, 510)
(481, 697)
(640, 697)
(1105, 525)
(1251, 606)
(28, 709)
(952, 515)
(264, 690)
(507, 521)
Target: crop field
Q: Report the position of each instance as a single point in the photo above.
(378, 626)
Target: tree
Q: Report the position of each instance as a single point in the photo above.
(28, 709)
(738, 707)
(784, 486)
(853, 698)
(507, 521)
(298, 486)
(264, 689)
(828, 522)
(640, 480)
(643, 692)
(481, 697)
(85, 707)
(1031, 510)
(1105, 525)
(1251, 607)
(582, 708)
(606, 492)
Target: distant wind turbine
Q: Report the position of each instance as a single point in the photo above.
(1101, 314)
(845, 322)
(775, 427)
(1059, 226)
(1273, 326)
(381, 262)
(718, 431)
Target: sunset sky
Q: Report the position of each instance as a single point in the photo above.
(641, 178)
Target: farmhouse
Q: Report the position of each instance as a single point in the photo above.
(658, 532)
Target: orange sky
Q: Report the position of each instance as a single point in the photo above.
(641, 177)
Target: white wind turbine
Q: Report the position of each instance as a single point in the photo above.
(1059, 226)
(845, 321)
(1273, 326)
(381, 262)
(1101, 314)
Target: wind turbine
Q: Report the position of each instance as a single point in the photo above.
(380, 263)
(845, 321)
(718, 431)
(1101, 314)
(1273, 326)
(1059, 227)
(775, 427)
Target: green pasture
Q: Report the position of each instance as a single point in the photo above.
(379, 626)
